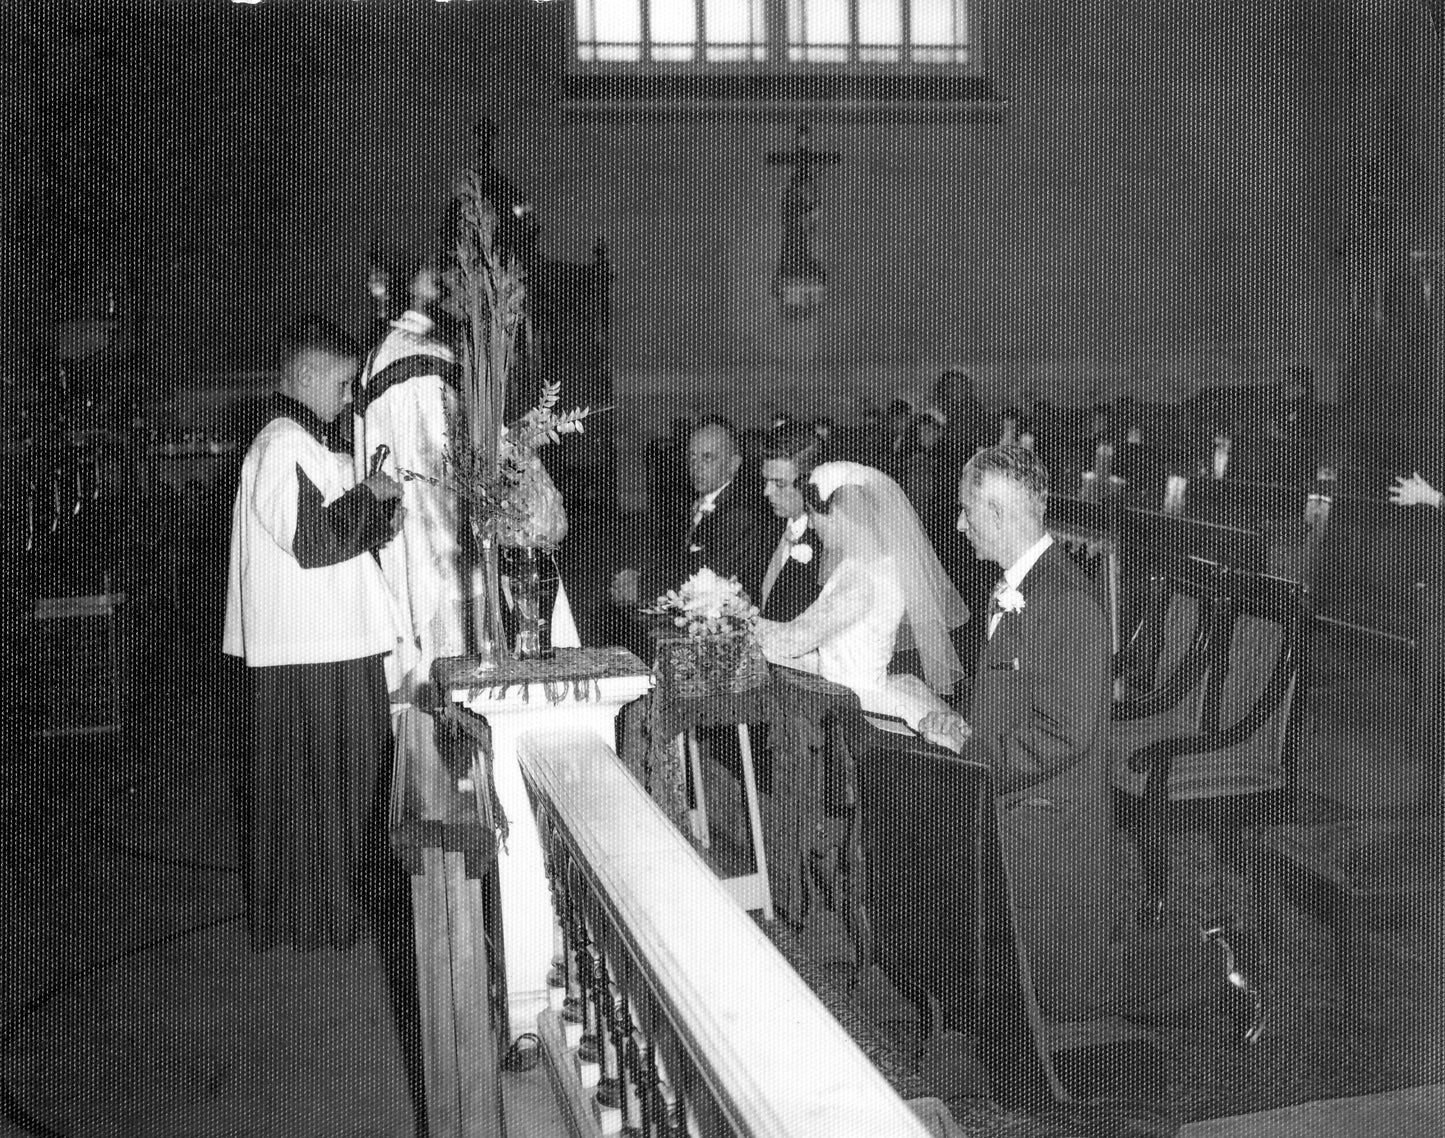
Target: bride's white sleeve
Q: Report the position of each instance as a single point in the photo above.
(842, 604)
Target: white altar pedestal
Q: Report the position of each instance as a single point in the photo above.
(514, 704)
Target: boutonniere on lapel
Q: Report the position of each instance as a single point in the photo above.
(801, 552)
(1010, 600)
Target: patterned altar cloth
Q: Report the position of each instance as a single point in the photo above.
(806, 815)
(649, 729)
(570, 673)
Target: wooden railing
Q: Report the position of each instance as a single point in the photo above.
(672, 1013)
(448, 847)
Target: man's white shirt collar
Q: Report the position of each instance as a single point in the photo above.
(1014, 575)
(796, 527)
(705, 503)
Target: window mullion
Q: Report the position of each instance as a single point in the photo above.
(905, 31)
(853, 33)
(776, 14)
(645, 31)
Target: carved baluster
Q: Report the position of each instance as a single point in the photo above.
(589, 1050)
(557, 985)
(629, 1061)
(644, 1086)
(617, 1089)
(574, 1007)
(644, 1102)
(669, 1119)
(608, 1100)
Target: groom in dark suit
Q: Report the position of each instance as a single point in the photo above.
(1040, 705)
(790, 582)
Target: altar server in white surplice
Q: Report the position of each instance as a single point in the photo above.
(308, 612)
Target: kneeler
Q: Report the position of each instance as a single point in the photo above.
(936, 915)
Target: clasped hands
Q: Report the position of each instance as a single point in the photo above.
(1414, 491)
(946, 728)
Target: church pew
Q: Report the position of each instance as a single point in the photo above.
(935, 910)
(1154, 539)
(1371, 556)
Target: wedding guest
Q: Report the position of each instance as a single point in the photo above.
(1414, 491)
(722, 531)
(790, 582)
(1039, 705)
(307, 610)
(892, 454)
(918, 464)
(966, 426)
(859, 440)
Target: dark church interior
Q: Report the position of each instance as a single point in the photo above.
(1187, 256)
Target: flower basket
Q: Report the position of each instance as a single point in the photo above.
(725, 663)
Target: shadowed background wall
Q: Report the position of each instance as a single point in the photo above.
(1165, 196)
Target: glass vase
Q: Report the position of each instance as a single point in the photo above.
(533, 578)
(490, 632)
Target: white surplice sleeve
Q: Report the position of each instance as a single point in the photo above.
(844, 602)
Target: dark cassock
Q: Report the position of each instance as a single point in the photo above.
(308, 611)
(1039, 708)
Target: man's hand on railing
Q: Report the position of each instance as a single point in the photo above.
(1414, 491)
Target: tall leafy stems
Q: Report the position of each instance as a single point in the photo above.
(492, 464)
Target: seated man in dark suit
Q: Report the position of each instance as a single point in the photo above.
(1040, 704)
(724, 531)
(790, 582)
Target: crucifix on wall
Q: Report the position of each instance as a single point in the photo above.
(801, 278)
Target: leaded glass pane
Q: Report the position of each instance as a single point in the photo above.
(880, 22)
(932, 22)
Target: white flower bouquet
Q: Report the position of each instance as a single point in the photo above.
(719, 652)
(707, 605)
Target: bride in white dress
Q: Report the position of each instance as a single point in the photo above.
(884, 590)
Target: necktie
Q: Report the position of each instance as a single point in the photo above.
(995, 613)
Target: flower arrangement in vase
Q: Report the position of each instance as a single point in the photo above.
(493, 466)
(718, 651)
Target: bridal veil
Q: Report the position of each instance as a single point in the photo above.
(931, 605)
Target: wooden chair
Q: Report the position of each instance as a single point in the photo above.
(1162, 663)
(1236, 769)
